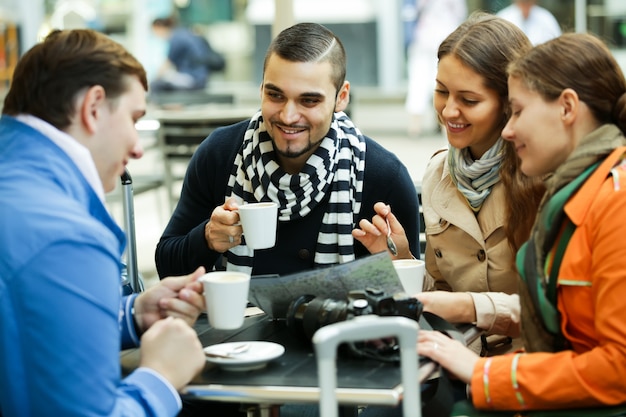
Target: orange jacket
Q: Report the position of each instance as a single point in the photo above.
(591, 290)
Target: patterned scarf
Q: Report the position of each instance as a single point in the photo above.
(475, 178)
(337, 167)
(592, 148)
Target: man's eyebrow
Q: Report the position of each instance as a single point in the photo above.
(311, 94)
(273, 87)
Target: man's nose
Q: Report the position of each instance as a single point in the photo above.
(289, 114)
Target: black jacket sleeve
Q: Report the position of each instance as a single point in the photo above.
(182, 247)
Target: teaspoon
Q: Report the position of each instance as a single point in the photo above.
(390, 243)
(230, 354)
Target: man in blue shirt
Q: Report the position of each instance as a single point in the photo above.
(189, 58)
(66, 133)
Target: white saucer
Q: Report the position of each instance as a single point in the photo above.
(257, 356)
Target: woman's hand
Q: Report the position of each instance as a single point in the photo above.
(449, 353)
(373, 235)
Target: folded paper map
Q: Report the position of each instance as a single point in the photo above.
(274, 293)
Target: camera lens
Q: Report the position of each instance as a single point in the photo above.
(321, 312)
(307, 313)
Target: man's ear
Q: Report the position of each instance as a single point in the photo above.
(570, 105)
(343, 97)
(90, 107)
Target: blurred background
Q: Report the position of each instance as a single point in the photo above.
(241, 29)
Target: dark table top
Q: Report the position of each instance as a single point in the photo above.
(293, 376)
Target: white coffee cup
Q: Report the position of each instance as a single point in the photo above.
(259, 221)
(226, 296)
(411, 273)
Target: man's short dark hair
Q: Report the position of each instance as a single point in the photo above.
(310, 42)
(50, 75)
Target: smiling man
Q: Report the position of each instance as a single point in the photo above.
(301, 151)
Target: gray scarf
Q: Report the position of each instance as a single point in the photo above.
(475, 178)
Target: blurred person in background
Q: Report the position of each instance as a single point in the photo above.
(190, 58)
(537, 22)
(430, 21)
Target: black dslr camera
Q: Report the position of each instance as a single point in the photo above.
(307, 313)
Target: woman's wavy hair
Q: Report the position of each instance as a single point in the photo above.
(523, 195)
(488, 44)
(579, 61)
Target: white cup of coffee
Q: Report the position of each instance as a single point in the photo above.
(411, 273)
(259, 221)
(226, 296)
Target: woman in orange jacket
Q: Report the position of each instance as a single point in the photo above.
(568, 119)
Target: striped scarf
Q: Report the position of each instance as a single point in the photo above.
(474, 178)
(337, 167)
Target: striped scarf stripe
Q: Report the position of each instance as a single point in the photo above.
(337, 167)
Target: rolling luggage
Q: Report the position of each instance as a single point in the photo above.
(328, 338)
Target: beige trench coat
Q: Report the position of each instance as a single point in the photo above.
(468, 252)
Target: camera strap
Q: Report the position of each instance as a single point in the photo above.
(438, 393)
(387, 350)
(380, 350)
(431, 321)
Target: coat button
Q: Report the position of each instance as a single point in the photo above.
(438, 253)
(443, 222)
(303, 254)
(481, 255)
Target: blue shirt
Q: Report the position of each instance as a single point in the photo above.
(188, 54)
(62, 316)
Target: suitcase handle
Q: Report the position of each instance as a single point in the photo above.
(129, 226)
(327, 339)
